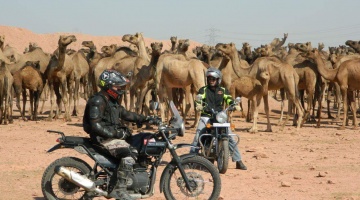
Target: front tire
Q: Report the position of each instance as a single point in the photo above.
(203, 176)
(56, 187)
(223, 157)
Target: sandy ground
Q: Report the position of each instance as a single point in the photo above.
(314, 163)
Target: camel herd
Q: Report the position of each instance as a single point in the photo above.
(298, 71)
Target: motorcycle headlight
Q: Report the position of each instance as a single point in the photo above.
(221, 117)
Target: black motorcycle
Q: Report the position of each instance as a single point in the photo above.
(187, 176)
(214, 142)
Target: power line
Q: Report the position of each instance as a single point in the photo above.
(212, 36)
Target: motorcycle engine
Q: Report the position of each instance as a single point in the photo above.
(138, 181)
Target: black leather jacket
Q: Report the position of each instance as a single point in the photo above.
(102, 117)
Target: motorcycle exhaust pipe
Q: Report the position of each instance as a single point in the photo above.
(79, 180)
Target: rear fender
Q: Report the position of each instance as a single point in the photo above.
(173, 165)
(56, 147)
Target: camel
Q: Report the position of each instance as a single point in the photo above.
(80, 73)
(309, 78)
(178, 71)
(276, 43)
(354, 44)
(346, 76)
(282, 75)
(132, 64)
(60, 75)
(29, 77)
(6, 81)
(145, 74)
(2, 55)
(36, 54)
(173, 49)
(11, 53)
(252, 89)
(109, 62)
(92, 59)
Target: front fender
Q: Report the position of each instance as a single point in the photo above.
(172, 165)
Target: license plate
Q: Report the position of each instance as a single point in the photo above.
(221, 125)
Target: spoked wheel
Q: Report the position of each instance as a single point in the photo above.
(204, 180)
(54, 186)
(223, 157)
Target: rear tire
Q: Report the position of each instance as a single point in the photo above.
(54, 186)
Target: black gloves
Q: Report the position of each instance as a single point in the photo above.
(122, 134)
(153, 120)
(232, 108)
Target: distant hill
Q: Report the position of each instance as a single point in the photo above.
(20, 38)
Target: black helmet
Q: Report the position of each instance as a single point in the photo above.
(110, 78)
(213, 72)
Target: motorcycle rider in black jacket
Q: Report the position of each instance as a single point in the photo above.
(102, 122)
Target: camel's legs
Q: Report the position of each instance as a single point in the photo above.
(58, 99)
(44, 95)
(31, 105)
(345, 105)
(76, 98)
(255, 109)
(282, 95)
(24, 104)
(266, 106)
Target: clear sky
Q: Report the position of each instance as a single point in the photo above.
(206, 21)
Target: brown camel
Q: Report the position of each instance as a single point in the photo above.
(60, 75)
(6, 81)
(92, 59)
(282, 75)
(346, 76)
(29, 77)
(309, 78)
(252, 89)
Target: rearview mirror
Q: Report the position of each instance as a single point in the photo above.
(198, 97)
(153, 105)
(237, 100)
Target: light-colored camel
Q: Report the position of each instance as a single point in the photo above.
(252, 89)
(282, 75)
(173, 48)
(81, 71)
(60, 75)
(6, 81)
(109, 62)
(29, 77)
(277, 43)
(3, 57)
(346, 76)
(178, 71)
(36, 54)
(11, 53)
(132, 64)
(145, 74)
